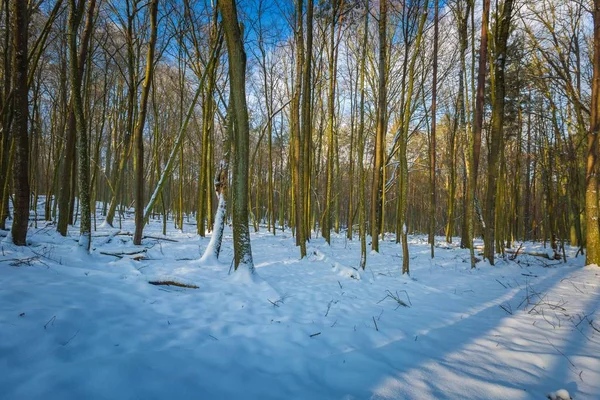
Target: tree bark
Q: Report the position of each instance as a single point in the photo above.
(298, 158)
(475, 145)
(497, 128)
(139, 132)
(433, 132)
(237, 75)
(592, 236)
(376, 190)
(20, 24)
(361, 146)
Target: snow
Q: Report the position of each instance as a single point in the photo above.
(561, 394)
(211, 253)
(76, 325)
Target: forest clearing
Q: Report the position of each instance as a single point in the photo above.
(300, 199)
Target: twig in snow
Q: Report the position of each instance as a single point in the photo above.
(508, 310)
(45, 253)
(274, 303)
(213, 337)
(571, 282)
(329, 306)
(375, 322)
(591, 321)
(17, 262)
(278, 301)
(72, 337)
(501, 284)
(563, 354)
(49, 321)
(397, 299)
(315, 334)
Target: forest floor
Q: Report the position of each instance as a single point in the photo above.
(83, 326)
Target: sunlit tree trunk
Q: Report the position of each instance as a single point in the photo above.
(475, 139)
(377, 186)
(497, 126)
(592, 237)
(361, 146)
(139, 131)
(298, 158)
(237, 75)
(433, 132)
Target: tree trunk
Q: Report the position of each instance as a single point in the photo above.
(377, 187)
(475, 145)
(306, 118)
(497, 128)
(20, 24)
(361, 147)
(298, 159)
(237, 75)
(139, 132)
(592, 236)
(433, 129)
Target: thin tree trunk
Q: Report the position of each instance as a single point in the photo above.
(361, 146)
(306, 118)
(404, 143)
(433, 132)
(377, 187)
(297, 172)
(139, 132)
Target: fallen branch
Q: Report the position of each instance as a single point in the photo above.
(173, 283)
(160, 238)
(532, 253)
(136, 255)
(143, 237)
(515, 254)
(17, 262)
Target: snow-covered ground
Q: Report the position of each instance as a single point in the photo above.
(83, 326)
